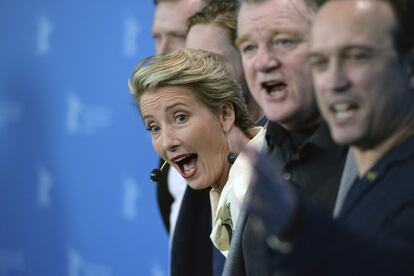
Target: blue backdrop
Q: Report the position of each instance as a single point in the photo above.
(75, 197)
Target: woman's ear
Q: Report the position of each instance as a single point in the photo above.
(227, 117)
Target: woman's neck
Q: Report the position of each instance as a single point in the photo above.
(238, 139)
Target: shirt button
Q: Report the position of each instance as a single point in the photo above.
(287, 176)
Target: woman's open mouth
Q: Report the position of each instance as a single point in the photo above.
(187, 164)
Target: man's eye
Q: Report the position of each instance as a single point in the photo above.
(153, 129)
(318, 63)
(244, 49)
(285, 42)
(156, 36)
(180, 36)
(180, 118)
(358, 56)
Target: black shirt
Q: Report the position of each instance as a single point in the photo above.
(313, 163)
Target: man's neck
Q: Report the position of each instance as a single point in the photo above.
(366, 158)
(305, 123)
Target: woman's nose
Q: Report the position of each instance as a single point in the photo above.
(170, 139)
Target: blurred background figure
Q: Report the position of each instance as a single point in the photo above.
(214, 29)
(169, 28)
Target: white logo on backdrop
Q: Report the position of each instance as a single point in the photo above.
(44, 31)
(79, 267)
(11, 262)
(131, 196)
(46, 183)
(132, 30)
(86, 119)
(10, 113)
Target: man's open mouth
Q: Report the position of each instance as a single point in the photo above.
(343, 110)
(272, 87)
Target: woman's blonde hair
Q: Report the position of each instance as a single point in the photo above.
(199, 70)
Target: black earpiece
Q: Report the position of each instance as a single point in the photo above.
(155, 174)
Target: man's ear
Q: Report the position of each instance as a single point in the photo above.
(227, 116)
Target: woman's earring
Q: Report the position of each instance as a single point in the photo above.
(231, 157)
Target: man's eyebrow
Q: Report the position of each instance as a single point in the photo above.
(221, 57)
(240, 39)
(347, 48)
(357, 47)
(158, 31)
(289, 31)
(313, 54)
(176, 33)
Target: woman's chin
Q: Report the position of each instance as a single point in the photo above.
(195, 185)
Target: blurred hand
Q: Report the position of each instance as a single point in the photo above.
(271, 202)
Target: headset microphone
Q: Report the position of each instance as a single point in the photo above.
(155, 174)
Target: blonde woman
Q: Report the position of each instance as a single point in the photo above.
(198, 121)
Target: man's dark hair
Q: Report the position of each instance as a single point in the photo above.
(219, 12)
(404, 32)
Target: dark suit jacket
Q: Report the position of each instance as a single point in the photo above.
(374, 234)
(191, 252)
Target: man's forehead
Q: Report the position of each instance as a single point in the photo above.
(170, 15)
(301, 8)
(369, 18)
(207, 36)
(273, 14)
(359, 9)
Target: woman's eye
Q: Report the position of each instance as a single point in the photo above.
(153, 129)
(180, 118)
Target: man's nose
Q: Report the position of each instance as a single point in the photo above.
(163, 45)
(336, 78)
(266, 60)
